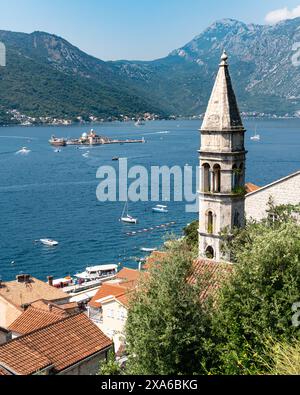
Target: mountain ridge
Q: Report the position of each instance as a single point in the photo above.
(48, 76)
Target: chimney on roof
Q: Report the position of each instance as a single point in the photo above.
(50, 306)
(20, 278)
(50, 280)
(23, 278)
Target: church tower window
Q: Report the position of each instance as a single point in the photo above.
(206, 187)
(210, 222)
(217, 179)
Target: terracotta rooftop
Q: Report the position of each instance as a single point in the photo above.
(123, 299)
(251, 187)
(128, 275)
(21, 293)
(57, 309)
(213, 274)
(59, 346)
(155, 257)
(106, 291)
(33, 319)
(4, 372)
(22, 360)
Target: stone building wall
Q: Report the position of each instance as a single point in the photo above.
(284, 191)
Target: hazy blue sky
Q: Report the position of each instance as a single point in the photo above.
(132, 29)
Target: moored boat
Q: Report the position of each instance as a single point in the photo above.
(148, 249)
(49, 242)
(160, 209)
(97, 273)
(57, 142)
(126, 217)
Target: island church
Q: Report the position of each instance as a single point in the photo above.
(225, 200)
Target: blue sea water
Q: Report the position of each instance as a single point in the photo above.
(48, 194)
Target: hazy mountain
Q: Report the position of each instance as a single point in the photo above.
(46, 75)
(261, 67)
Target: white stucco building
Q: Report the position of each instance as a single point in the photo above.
(282, 192)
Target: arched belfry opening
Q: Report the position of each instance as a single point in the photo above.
(210, 222)
(206, 184)
(217, 179)
(210, 252)
(222, 201)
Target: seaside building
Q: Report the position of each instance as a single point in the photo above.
(16, 296)
(109, 307)
(281, 192)
(70, 346)
(222, 164)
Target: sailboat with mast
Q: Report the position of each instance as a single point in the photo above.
(126, 218)
(256, 136)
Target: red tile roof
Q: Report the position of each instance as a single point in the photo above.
(4, 372)
(22, 360)
(128, 274)
(61, 309)
(59, 345)
(251, 187)
(33, 319)
(212, 273)
(21, 293)
(105, 291)
(124, 299)
(155, 257)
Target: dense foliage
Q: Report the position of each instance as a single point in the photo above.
(110, 367)
(257, 302)
(170, 332)
(167, 326)
(191, 233)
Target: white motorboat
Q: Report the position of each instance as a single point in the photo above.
(49, 242)
(148, 249)
(126, 217)
(160, 209)
(97, 273)
(23, 151)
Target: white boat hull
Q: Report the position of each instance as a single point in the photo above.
(49, 243)
(129, 220)
(159, 210)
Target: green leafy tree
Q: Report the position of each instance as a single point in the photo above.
(191, 233)
(110, 367)
(168, 326)
(257, 301)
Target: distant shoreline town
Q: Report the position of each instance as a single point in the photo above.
(19, 119)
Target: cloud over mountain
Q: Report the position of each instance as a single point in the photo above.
(282, 14)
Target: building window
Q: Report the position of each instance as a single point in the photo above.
(206, 187)
(217, 179)
(210, 253)
(210, 222)
(110, 313)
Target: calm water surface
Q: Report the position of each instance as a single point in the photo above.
(47, 194)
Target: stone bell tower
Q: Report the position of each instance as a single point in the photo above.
(222, 164)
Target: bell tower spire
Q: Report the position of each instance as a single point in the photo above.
(222, 164)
